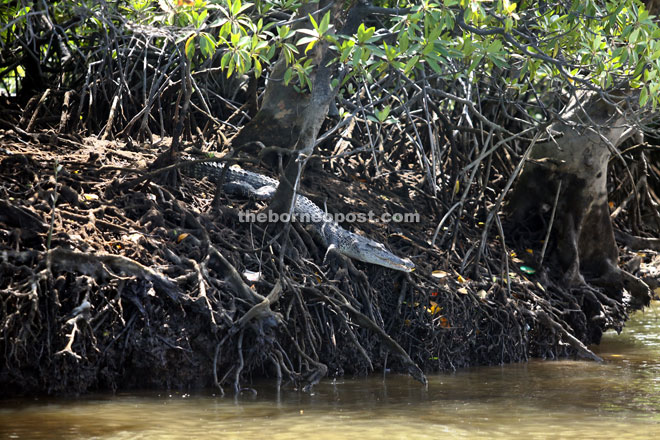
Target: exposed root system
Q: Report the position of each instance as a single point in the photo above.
(117, 274)
(107, 283)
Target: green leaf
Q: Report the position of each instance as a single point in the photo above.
(411, 63)
(384, 113)
(225, 60)
(508, 24)
(232, 65)
(284, 32)
(435, 66)
(643, 96)
(474, 64)
(499, 62)
(287, 76)
(244, 7)
(364, 34)
(206, 44)
(201, 17)
(357, 55)
(346, 52)
(404, 42)
(190, 47)
(316, 26)
(634, 35)
(310, 45)
(235, 7)
(494, 47)
(325, 23)
(257, 68)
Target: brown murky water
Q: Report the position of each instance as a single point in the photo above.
(568, 399)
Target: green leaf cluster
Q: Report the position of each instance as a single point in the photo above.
(522, 45)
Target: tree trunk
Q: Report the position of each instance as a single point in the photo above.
(278, 121)
(574, 162)
(289, 119)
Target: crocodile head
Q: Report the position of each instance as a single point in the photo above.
(370, 251)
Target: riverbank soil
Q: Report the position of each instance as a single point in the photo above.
(111, 278)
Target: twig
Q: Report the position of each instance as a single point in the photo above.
(53, 197)
(552, 220)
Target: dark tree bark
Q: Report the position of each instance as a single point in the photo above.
(289, 119)
(278, 121)
(574, 162)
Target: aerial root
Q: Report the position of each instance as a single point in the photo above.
(339, 301)
(571, 340)
(167, 279)
(102, 266)
(262, 311)
(81, 313)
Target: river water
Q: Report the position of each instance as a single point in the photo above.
(619, 398)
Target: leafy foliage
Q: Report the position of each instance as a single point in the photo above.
(586, 44)
(592, 44)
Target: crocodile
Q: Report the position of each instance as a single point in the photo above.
(333, 236)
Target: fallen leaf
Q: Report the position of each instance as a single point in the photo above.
(252, 276)
(435, 308)
(462, 291)
(439, 274)
(135, 237)
(182, 237)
